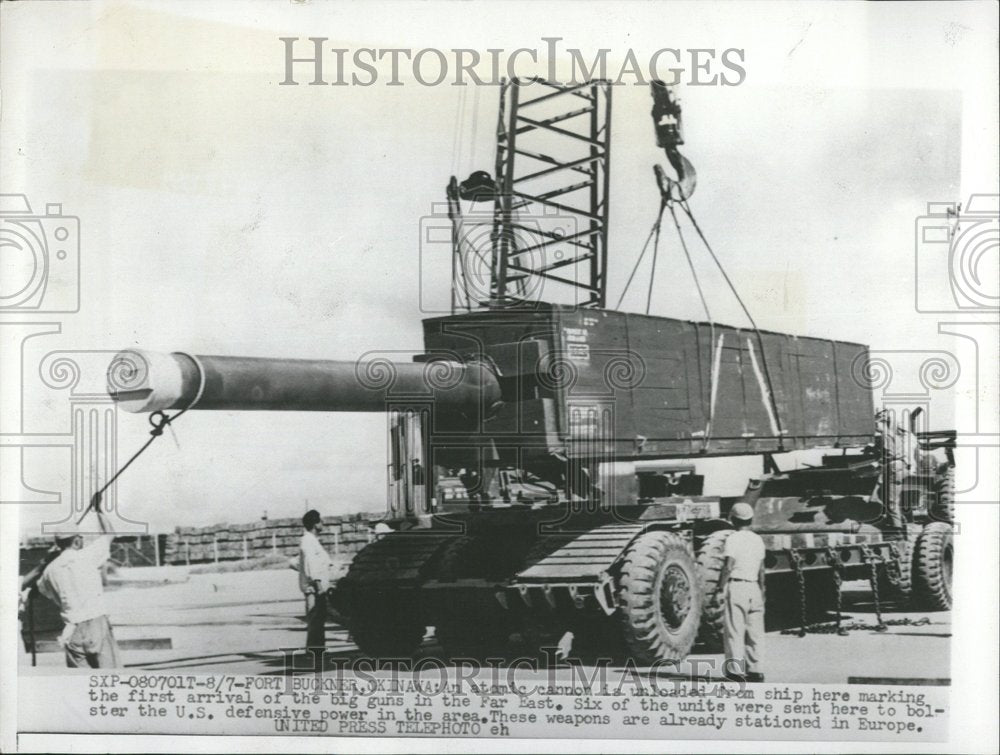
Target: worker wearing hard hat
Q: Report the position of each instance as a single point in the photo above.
(73, 582)
(742, 586)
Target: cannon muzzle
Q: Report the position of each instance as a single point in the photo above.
(142, 381)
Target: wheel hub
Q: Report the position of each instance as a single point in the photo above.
(675, 595)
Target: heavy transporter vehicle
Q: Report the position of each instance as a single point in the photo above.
(542, 474)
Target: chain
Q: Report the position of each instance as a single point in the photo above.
(869, 558)
(796, 559)
(894, 571)
(894, 568)
(830, 627)
(838, 580)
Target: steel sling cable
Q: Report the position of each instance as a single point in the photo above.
(475, 126)
(753, 324)
(635, 268)
(708, 314)
(456, 144)
(160, 421)
(656, 253)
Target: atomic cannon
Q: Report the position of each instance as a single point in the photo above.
(538, 484)
(542, 473)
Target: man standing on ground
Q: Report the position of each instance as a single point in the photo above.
(314, 579)
(742, 586)
(73, 582)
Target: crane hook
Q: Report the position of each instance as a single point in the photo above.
(668, 124)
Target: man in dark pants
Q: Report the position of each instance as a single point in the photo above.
(742, 586)
(314, 579)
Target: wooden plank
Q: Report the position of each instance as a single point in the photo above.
(601, 539)
(557, 574)
(595, 536)
(146, 643)
(596, 565)
(583, 552)
(600, 561)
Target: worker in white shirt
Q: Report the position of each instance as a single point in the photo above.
(73, 582)
(741, 584)
(314, 579)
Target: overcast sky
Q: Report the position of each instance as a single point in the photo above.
(224, 214)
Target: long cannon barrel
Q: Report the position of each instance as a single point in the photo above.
(142, 381)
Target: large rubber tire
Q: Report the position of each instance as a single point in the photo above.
(944, 497)
(477, 631)
(659, 595)
(710, 563)
(902, 589)
(383, 633)
(932, 567)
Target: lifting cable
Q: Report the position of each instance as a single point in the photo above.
(711, 327)
(654, 233)
(635, 268)
(160, 421)
(668, 203)
(456, 142)
(464, 272)
(694, 274)
(656, 252)
(753, 324)
(461, 296)
(454, 202)
(476, 96)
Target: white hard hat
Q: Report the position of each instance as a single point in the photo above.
(742, 511)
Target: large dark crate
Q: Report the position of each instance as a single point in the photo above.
(586, 381)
